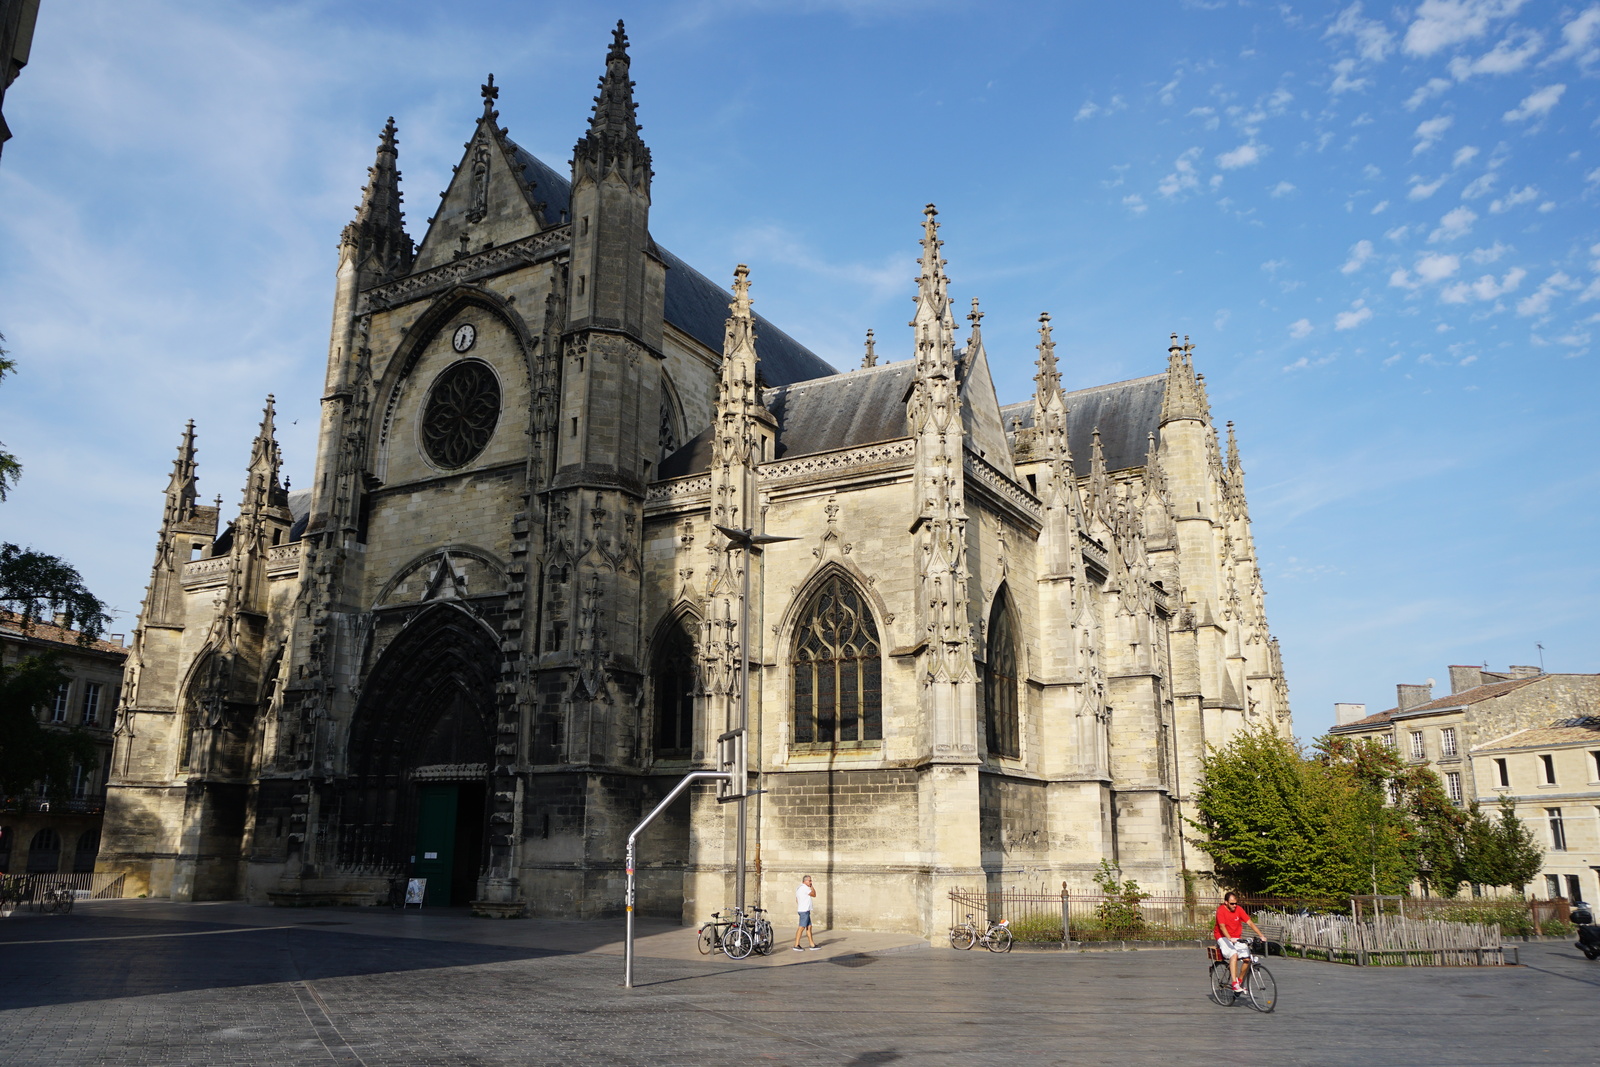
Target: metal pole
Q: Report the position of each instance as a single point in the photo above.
(627, 953)
(744, 725)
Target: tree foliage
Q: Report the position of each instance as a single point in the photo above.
(1348, 818)
(31, 582)
(29, 752)
(10, 469)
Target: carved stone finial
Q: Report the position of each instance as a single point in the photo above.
(871, 358)
(1048, 379)
(491, 93)
(741, 292)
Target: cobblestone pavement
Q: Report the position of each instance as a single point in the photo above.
(135, 983)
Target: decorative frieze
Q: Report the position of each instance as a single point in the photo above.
(469, 268)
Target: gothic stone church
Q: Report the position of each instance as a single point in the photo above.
(502, 622)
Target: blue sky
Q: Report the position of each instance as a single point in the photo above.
(1378, 224)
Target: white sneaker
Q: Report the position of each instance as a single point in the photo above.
(797, 948)
(815, 948)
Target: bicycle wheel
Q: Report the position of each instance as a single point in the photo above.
(737, 943)
(962, 937)
(764, 937)
(1261, 988)
(707, 939)
(1000, 940)
(1221, 985)
(64, 902)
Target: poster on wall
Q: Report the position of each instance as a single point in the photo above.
(416, 888)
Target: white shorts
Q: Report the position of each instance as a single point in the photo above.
(1230, 947)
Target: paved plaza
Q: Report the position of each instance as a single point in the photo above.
(146, 982)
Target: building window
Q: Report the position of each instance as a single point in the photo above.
(1552, 886)
(44, 852)
(1447, 741)
(1417, 751)
(91, 703)
(83, 855)
(1558, 831)
(1002, 728)
(1388, 742)
(838, 677)
(674, 680)
(1452, 785)
(1549, 764)
(59, 702)
(1596, 757)
(1574, 890)
(1502, 775)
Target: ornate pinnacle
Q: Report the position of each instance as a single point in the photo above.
(741, 292)
(613, 137)
(1234, 466)
(871, 358)
(491, 92)
(1048, 380)
(378, 235)
(1182, 398)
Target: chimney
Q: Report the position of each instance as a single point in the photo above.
(63, 620)
(1348, 713)
(1409, 696)
(1524, 672)
(1464, 678)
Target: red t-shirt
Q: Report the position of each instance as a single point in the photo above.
(1229, 923)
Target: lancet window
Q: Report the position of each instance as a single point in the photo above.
(673, 677)
(838, 673)
(1002, 725)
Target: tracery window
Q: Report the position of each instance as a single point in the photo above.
(463, 408)
(674, 679)
(1002, 727)
(838, 675)
(668, 436)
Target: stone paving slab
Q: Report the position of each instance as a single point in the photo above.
(175, 985)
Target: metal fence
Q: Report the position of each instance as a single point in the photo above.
(1057, 915)
(26, 888)
(1388, 940)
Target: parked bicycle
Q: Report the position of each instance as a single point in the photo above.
(996, 937)
(738, 936)
(1258, 988)
(56, 898)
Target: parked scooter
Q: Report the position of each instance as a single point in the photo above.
(1588, 933)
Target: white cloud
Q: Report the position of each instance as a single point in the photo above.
(1505, 58)
(1592, 176)
(1464, 154)
(1090, 109)
(1484, 289)
(1480, 186)
(1434, 87)
(1442, 23)
(1537, 104)
(1454, 224)
(1371, 172)
(1538, 302)
(1342, 81)
(1490, 254)
(1349, 320)
(1513, 198)
(1591, 293)
(1434, 267)
(1221, 319)
(1183, 177)
(1379, 207)
(1299, 328)
(1135, 203)
(1282, 189)
(1243, 156)
(1429, 132)
(1208, 114)
(1397, 234)
(1372, 38)
(1360, 253)
(1273, 266)
(1579, 37)
(1421, 190)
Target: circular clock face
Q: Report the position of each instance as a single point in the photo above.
(466, 335)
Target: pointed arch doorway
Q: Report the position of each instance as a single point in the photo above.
(421, 751)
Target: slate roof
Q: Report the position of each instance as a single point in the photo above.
(1126, 413)
(694, 303)
(1580, 731)
(858, 407)
(1475, 695)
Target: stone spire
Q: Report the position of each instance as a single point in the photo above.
(1047, 380)
(1099, 480)
(1183, 398)
(181, 489)
(871, 358)
(1234, 466)
(382, 248)
(613, 139)
(736, 441)
(933, 324)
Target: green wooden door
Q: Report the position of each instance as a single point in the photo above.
(436, 841)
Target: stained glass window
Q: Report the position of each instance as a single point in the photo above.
(462, 411)
(1001, 724)
(838, 675)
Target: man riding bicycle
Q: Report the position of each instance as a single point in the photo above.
(1228, 929)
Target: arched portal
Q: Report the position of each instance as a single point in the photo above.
(421, 751)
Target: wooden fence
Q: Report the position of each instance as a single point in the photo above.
(1387, 941)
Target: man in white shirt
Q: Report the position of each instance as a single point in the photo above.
(805, 895)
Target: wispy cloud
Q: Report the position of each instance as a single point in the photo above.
(1429, 268)
(1579, 38)
(1537, 104)
(1421, 189)
(1281, 190)
(1455, 223)
(1429, 132)
(1090, 109)
(1510, 55)
(1484, 289)
(1349, 320)
(1427, 91)
(1342, 80)
(1243, 156)
(1441, 23)
(1538, 302)
(1360, 253)
(1135, 203)
(1513, 198)
(1372, 38)
(1300, 328)
(1183, 178)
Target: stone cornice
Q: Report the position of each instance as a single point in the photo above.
(1002, 489)
(475, 267)
(885, 456)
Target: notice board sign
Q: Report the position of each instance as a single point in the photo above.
(416, 889)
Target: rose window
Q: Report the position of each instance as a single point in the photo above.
(461, 414)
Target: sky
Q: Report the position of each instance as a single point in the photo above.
(1377, 224)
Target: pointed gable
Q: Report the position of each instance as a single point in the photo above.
(980, 406)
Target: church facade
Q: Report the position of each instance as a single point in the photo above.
(504, 619)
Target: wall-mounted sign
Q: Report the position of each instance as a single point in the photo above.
(430, 855)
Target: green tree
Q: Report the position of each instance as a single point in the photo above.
(1513, 856)
(10, 469)
(30, 754)
(31, 582)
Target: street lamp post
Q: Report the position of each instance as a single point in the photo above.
(749, 540)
